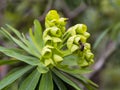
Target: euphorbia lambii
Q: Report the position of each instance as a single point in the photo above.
(55, 56)
(60, 42)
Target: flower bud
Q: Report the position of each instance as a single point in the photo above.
(91, 61)
(76, 40)
(79, 38)
(70, 42)
(48, 40)
(49, 24)
(82, 62)
(89, 56)
(46, 32)
(80, 28)
(57, 58)
(71, 31)
(46, 52)
(73, 42)
(52, 15)
(86, 34)
(87, 46)
(62, 21)
(82, 38)
(54, 31)
(74, 48)
(56, 40)
(48, 62)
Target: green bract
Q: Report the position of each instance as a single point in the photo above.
(51, 54)
(55, 34)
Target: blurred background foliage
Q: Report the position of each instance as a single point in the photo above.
(101, 16)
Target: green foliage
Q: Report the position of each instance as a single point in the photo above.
(3, 62)
(98, 15)
(100, 38)
(46, 81)
(13, 76)
(32, 79)
(53, 54)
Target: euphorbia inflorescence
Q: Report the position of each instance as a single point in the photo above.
(54, 46)
(60, 42)
(57, 54)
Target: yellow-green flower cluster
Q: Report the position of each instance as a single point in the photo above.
(52, 36)
(53, 19)
(76, 43)
(74, 40)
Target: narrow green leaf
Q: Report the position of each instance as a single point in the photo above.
(31, 46)
(31, 81)
(92, 83)
(42, 68)
(12, 77)
(46, 82)
(74, 71)
(3, 62)
(100, 38)
(115, 31)
(15, 31)
(59, 83)
(34, 40)
(25, 41)
(38, 33)
(70, 60)
(85, 80)
(5, 35)
(79, 81)
(65, 79)
(18, 42)
(19, 56)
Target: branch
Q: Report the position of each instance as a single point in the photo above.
(49, 6)
(77, 11)
(72, 14)
(65, 8)
(111, 47)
